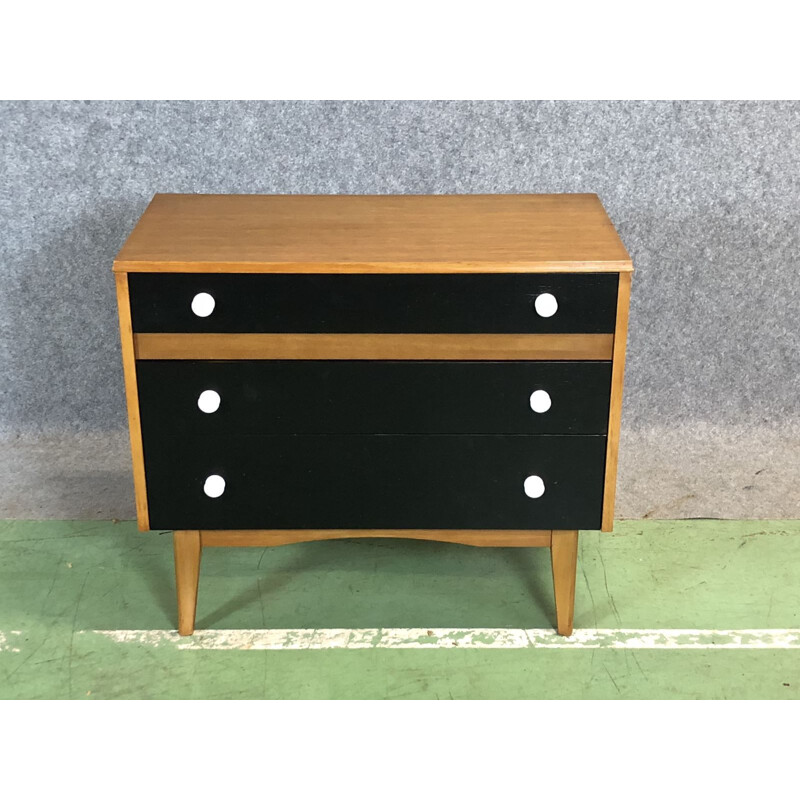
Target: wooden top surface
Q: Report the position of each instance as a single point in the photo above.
(374, 233)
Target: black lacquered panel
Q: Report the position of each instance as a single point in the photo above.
(439, 482)
(274, 397)
(161, 303)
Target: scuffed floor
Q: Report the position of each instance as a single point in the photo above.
(664, 609)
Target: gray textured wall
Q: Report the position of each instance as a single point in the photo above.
(706, 196)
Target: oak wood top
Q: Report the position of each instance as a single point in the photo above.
(374, 233)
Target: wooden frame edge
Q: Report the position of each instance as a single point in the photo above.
(127, 341)
(381, 346)
(475, 538)
(615, 406)
(385, 268)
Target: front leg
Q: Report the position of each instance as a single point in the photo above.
(188, 548)
(564, 556)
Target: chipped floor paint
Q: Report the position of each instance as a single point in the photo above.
(476, 638)
(7, 645)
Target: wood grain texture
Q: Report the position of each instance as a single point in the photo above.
(188, 550)
(564, 557)
(615, 407)
(132, 399)
(369, 346)
(477, 538)
(374, 233)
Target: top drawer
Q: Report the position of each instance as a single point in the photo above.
(315, 303)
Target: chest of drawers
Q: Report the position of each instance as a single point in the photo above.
(320, 367)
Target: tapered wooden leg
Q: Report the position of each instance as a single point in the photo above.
(564, 555)
(187, 574)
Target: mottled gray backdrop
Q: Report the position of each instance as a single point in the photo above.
(706, 196)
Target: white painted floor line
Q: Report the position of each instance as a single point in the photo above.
(431, 638)
(469, 638)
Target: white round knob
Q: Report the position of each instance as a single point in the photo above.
(540, 401)
(534, 486)
(214, 485)
(546, 305)
(203, 304)
(208, 402)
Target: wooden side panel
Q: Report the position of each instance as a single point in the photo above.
(615, 411)
(132, 398)
(361, 346)
(476, 538)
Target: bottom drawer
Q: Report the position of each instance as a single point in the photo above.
(376, 481)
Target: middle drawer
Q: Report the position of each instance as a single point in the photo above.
(344, 397)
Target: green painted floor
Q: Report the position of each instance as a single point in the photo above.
(59, 581)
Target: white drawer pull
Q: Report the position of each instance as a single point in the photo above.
(203, 304)
(546, 305)
(214, 485)
(209, 401)
(534, 486)
(540, 401)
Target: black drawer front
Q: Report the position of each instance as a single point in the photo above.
(439, 482)
(318, 397)
(161, 303)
